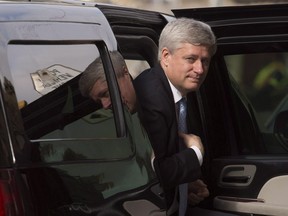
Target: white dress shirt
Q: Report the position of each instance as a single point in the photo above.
(177, 97)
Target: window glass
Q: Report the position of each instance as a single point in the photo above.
(57, 118)
(262, 79)
(39, 69)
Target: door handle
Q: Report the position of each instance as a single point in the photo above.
(237, 175)
(236, 179)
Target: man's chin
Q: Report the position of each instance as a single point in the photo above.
(193, 87)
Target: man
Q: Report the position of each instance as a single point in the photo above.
(185, 49)
(93, 83)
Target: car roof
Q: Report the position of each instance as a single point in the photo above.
(233, 13)
(235, 21)
(55, 13)
(27, 11)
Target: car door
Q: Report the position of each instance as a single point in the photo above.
(63, 153)
(243, 109)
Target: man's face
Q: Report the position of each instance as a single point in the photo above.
(100, 92)
(187, 66)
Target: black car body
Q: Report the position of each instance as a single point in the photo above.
(63, 154)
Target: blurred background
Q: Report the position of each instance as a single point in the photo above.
(166, 5)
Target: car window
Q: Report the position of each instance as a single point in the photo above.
(261, 81)
(39, 69)
(57, 118)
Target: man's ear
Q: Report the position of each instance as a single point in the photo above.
(126, 73)
(125, 69)
(165, 55)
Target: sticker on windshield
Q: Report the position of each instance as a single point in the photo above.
(48, 79)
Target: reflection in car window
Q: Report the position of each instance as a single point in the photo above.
(39, 69)
(262, 79)
(56, 116)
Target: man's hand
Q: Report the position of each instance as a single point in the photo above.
(197, 191)
(192, 140)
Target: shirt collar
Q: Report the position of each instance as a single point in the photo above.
(176, 94)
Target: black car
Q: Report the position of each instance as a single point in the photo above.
(241, 109)
(63, 154)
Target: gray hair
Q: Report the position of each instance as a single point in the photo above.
(95, 72)
(185, 30)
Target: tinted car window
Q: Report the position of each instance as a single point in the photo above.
(39, 69)
(261, 81)
(65, 125)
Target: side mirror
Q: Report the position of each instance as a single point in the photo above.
(281, 125)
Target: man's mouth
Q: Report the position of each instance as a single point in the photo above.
(193, 78)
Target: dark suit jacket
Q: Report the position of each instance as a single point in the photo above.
(158, 115)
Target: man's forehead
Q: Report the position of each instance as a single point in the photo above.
(99, 87)
(194, 49)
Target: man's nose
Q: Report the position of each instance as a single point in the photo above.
(106, 103)
(198, 66)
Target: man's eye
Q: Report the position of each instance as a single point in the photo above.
(106, 94)
(191, 59)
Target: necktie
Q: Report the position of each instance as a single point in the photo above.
(182, 127)
(182, 115)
